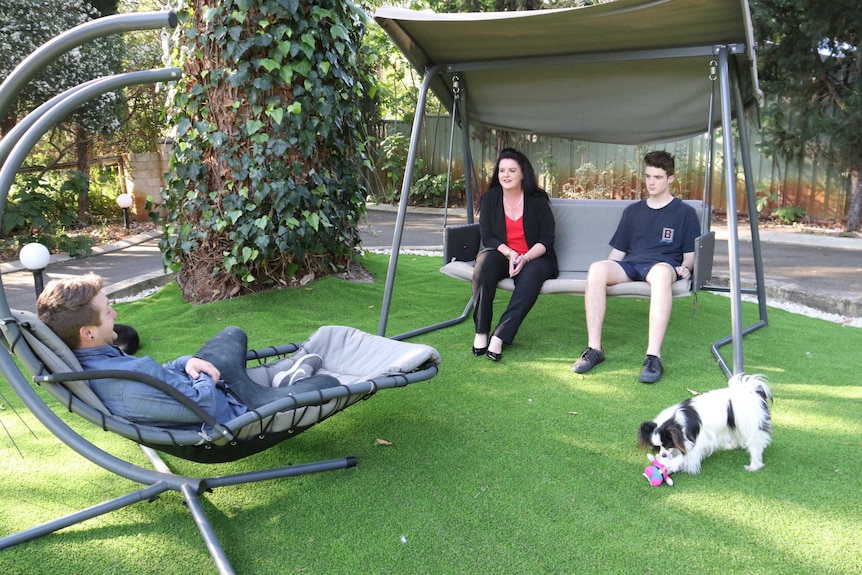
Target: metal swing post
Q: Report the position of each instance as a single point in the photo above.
(405, 193)
(458, 96)
(737, 329)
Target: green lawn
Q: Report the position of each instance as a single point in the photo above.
(517, 467)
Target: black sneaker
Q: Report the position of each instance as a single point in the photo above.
(588, 360)
(652, 370)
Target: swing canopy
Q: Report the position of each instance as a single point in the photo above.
(623, 72)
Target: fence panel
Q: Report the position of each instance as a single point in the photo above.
(587, 169)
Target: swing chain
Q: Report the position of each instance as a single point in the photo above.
(713, 74)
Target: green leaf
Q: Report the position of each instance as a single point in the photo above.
(269, 64)
(252, 126)
(249, 254)
(313, 220)
(339, 32)
(276, 113)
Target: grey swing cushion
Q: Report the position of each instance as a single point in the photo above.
(351, 355)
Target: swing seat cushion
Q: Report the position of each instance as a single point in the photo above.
(583, 231)
(352, 356)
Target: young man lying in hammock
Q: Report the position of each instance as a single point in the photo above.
(216, 378)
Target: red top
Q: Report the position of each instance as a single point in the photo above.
(515, 237)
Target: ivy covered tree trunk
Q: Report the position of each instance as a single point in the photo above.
(265, 183)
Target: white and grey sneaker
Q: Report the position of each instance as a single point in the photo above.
(303, 367)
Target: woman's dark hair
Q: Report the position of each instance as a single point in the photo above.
(530, 184)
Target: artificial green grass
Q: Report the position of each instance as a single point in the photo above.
(514, 467)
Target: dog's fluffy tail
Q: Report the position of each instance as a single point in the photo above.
(756, 383)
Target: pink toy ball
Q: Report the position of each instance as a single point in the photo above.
(656, 473)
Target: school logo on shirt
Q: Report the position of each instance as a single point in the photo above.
(667, 236)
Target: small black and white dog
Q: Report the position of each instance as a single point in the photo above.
(733, 417)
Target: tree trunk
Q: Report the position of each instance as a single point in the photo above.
(265, 184)
(7, 124)
(82, 154)
(854, 214)
(504, 140)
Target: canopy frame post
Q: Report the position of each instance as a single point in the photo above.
(459, 107)
(737, 329)
(405, 193)
(402, 206)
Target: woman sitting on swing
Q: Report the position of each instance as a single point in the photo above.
(517, 231)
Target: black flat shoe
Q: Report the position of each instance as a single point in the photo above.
(495, 356)
(477, 351)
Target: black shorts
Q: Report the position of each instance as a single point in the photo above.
(638, 272)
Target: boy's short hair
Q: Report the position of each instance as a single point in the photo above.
(660, 159)
(65, 305)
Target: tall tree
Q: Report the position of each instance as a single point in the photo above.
(265, 182)
(143, 126)
(811, 73)
(22, 31)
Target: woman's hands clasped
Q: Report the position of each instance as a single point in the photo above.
(516, 264)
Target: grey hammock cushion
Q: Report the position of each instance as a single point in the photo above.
(352, 356)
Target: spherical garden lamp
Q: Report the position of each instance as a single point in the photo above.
(35, 257)
(125, 201)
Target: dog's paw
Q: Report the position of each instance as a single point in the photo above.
(753, 467)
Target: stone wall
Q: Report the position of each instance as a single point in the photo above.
(145, 177)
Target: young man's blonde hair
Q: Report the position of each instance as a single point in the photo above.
(65, 306)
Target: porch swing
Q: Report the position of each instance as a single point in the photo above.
(565, 73)
(362, 363)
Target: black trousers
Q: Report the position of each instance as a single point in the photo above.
(492, 266)
(227, 349)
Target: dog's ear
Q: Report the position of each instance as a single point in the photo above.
(645, 435)
(677, 437)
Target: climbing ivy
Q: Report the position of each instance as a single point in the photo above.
(265, 182)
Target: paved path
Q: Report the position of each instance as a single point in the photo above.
(819, 271)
